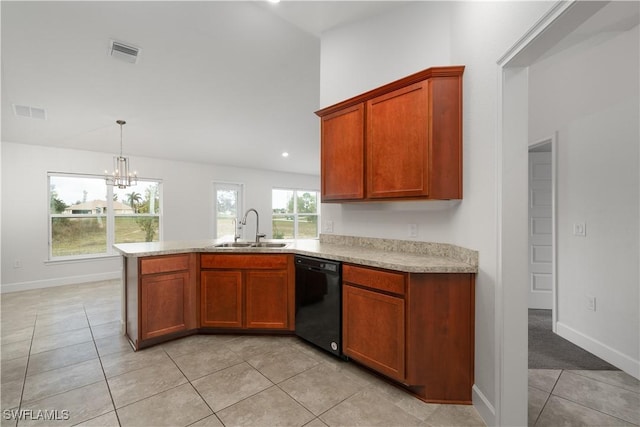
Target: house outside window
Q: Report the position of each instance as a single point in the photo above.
(87, 216)
(295, 214)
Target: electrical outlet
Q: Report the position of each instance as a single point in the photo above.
(591, 302)
(328, 226)
(17, 264)
(580, 229)
(413, 230)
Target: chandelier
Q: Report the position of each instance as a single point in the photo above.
(121, 177)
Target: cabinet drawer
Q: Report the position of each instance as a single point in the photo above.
(244, 261)
(164, 264)
(381, 280)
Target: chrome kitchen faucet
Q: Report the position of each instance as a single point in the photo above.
(244, 222)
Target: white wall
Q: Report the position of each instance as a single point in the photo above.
(589, 94)
(188, 201)
(358, 57)
(413, 38)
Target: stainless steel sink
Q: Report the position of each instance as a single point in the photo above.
(268, 245)
(250, 245)
(233, 245)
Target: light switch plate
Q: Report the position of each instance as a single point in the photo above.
(580, 229)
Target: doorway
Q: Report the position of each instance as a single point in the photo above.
(541, 193)
(513, 261)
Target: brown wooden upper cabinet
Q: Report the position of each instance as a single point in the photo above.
(342, 168)
(402, 140)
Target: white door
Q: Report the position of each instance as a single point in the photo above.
(540, 230)
(227, 210)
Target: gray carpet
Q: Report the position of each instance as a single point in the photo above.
(550, 351)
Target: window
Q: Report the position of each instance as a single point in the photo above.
(136, 212)
(228, 207)
(294, 214)
(87, 216)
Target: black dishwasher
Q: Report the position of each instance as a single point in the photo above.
(319, 302)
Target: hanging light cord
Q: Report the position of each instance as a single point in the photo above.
(121, 122)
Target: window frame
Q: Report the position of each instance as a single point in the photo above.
(295, 212)
(109, 217)
(226, 185)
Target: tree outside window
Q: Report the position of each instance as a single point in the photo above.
(227, 209)
(87, 216)
(141, 222)
(294, 214)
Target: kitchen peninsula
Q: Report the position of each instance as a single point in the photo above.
(408, 306)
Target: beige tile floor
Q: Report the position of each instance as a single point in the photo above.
(62, 351)
(586, 398)
(62, 357)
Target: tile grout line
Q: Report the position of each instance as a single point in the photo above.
(26, 376)
(254, 394)
(575, 372)
(195, 389)
(592, 409)
(547, 399)
(300, 403)
(582, 404)
(294, 399)
(26, 369)
(104, 374)
(134, 370)
(273, 384)
(64, 366)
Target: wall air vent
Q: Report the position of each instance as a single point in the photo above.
(29, 112)
(124, 52)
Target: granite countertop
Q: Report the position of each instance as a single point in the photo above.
(400, 255)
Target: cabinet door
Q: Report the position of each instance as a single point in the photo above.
(342, 154)
(166, 304)
(373, 330)
(267, 299)
(398, 143)
(221, 299)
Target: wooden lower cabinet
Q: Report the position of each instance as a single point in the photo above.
(440, 336)
(221, 299)
(417, 329)
(161, 297)
(267, 299)
(247, 292)
(164, 311)
(373, 330)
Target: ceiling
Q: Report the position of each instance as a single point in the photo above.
(218, 82)
(230, 83)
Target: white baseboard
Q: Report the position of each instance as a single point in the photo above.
(62, 281)
(483, 406)
(603, 351)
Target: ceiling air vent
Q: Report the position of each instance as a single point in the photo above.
(30, 112)
(124, 52)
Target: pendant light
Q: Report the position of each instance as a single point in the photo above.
(121, 177)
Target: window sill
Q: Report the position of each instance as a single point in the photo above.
(83, 259)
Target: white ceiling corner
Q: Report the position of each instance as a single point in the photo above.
(233, 83)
